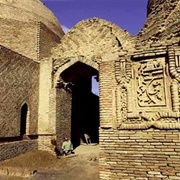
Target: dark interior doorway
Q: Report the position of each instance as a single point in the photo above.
(24, 110)
(85, 104)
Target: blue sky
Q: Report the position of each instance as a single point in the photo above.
(127, 14)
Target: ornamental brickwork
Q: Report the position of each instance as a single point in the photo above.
(19, 85)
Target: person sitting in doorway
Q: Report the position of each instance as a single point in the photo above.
(67, 147)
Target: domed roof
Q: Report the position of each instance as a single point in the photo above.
(30, 10)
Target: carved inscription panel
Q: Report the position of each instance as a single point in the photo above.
(150, 83)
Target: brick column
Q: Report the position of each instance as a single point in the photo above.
(63, 115)
(106, 86)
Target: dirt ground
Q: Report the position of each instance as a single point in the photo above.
(83, 165)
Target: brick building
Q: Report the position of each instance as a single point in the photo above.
(45, 87)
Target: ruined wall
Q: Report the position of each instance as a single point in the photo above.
(13, 149)
(162, 23)
(20, 37)
(139, 154)
(19, 84)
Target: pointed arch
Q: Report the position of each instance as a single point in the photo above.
(69, 64)
(90, 41)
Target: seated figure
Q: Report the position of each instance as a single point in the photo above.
(67, 147)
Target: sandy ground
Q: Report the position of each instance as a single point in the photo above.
(83, 165)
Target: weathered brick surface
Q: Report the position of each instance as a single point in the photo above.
(19, 83)
(106, 86)
(134, 154)
(162, 22)
(20, 37)
(47, 40)
(33, 40)
(12, 149)
(44, 143)
(63, 110)
(28, 11)
(60, 110)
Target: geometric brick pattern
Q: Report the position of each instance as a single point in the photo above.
(19, 78)
(22, 39)
(13, 149)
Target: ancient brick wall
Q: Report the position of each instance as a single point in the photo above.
(58, 121)
(30, 11)
(63, 115)
(106, 87)
(10, 150)
(20, 37)
(47, 40)
(162, 22)
(19, 84)
(139, 154)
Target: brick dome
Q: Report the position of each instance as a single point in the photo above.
(29, 10)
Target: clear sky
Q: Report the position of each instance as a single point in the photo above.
(127, 14)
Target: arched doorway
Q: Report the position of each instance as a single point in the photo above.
(83, 52)
(85, 104)
(24, 110)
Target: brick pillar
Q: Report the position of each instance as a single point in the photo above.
(47, 107)
(63, 115)
(106, 87)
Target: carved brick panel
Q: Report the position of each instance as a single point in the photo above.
(150, 83)
(148, 93)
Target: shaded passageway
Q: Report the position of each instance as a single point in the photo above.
(85, 104)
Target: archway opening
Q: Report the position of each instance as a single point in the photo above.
(85, 104)
(24, 110)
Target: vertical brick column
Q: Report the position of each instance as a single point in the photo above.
(47, 107)
(63, 115)
(44, 92)
(52, 110)
(106, 82)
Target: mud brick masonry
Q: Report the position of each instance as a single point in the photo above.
(45, 87)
